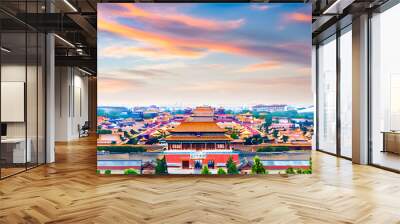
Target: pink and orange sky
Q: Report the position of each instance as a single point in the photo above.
(220, 54)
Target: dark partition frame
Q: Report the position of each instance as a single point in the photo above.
(37, 69)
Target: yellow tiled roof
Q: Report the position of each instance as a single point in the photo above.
(198, 127)
(198, 138)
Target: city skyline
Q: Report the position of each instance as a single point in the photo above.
(230, 107)
(204, 54)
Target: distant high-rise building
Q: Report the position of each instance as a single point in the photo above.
(270, 108)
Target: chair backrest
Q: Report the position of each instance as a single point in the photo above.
(86, 125)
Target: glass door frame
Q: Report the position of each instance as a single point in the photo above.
(29, 29)
(339, 32)
(382, 8)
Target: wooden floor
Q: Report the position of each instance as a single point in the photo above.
(69, 191)
(386, 159)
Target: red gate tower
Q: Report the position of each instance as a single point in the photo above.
(198, 142)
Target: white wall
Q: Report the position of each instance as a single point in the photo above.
(33, 127)
(71, 102)
(14, 73)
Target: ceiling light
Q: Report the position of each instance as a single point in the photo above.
(64, 40)
(337, 7)
(70, 5)
(5, 50)
(84, 71)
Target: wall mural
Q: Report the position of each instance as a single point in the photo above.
(209, 88)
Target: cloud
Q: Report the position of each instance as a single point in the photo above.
(140, 75)
(304, 71)
(194, 47)
(164, 19)
(267, 65)
(259, 7)
(298, 17)
(171, 59)
(148, 52)
(284, 83)
(215, 66)
(112, 85)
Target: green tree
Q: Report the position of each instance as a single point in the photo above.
(257, 139)
(234, 135)
(275, 133)
(290, 170)
(256, 114)
(265, 139)
(267, 121)
(130, 172)
(97, 171)
(248, 141)
(257, 167)
(152, 140)
(205, 170)
(299, 171)
(231, 166)
(103, 131)
(121, 149)
(126, 134)
(273, 149)
(309, 170)
(107, 172)
(285, 138)
(221, 171)
(162, 134)
(161, 167)
(132, 141)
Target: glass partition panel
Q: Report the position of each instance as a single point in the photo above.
(13, 93)
(346, 93)
(31, 98)
(22, 108)
(327, 95)
(385, 89)
(41, 99)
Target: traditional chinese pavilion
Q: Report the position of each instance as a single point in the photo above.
(198, 142)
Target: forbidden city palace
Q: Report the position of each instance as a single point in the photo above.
(197, 142)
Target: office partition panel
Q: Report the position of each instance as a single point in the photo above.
(15, 147)
(22, 91)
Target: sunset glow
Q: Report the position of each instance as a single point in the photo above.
(194, 54)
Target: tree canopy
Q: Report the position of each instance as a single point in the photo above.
(161, 167)
(257, 167)
(231, 166)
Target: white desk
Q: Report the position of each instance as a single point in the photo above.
(19, 153)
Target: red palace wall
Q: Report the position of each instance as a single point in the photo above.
(217, 158)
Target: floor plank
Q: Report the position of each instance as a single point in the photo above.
(69, 191)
